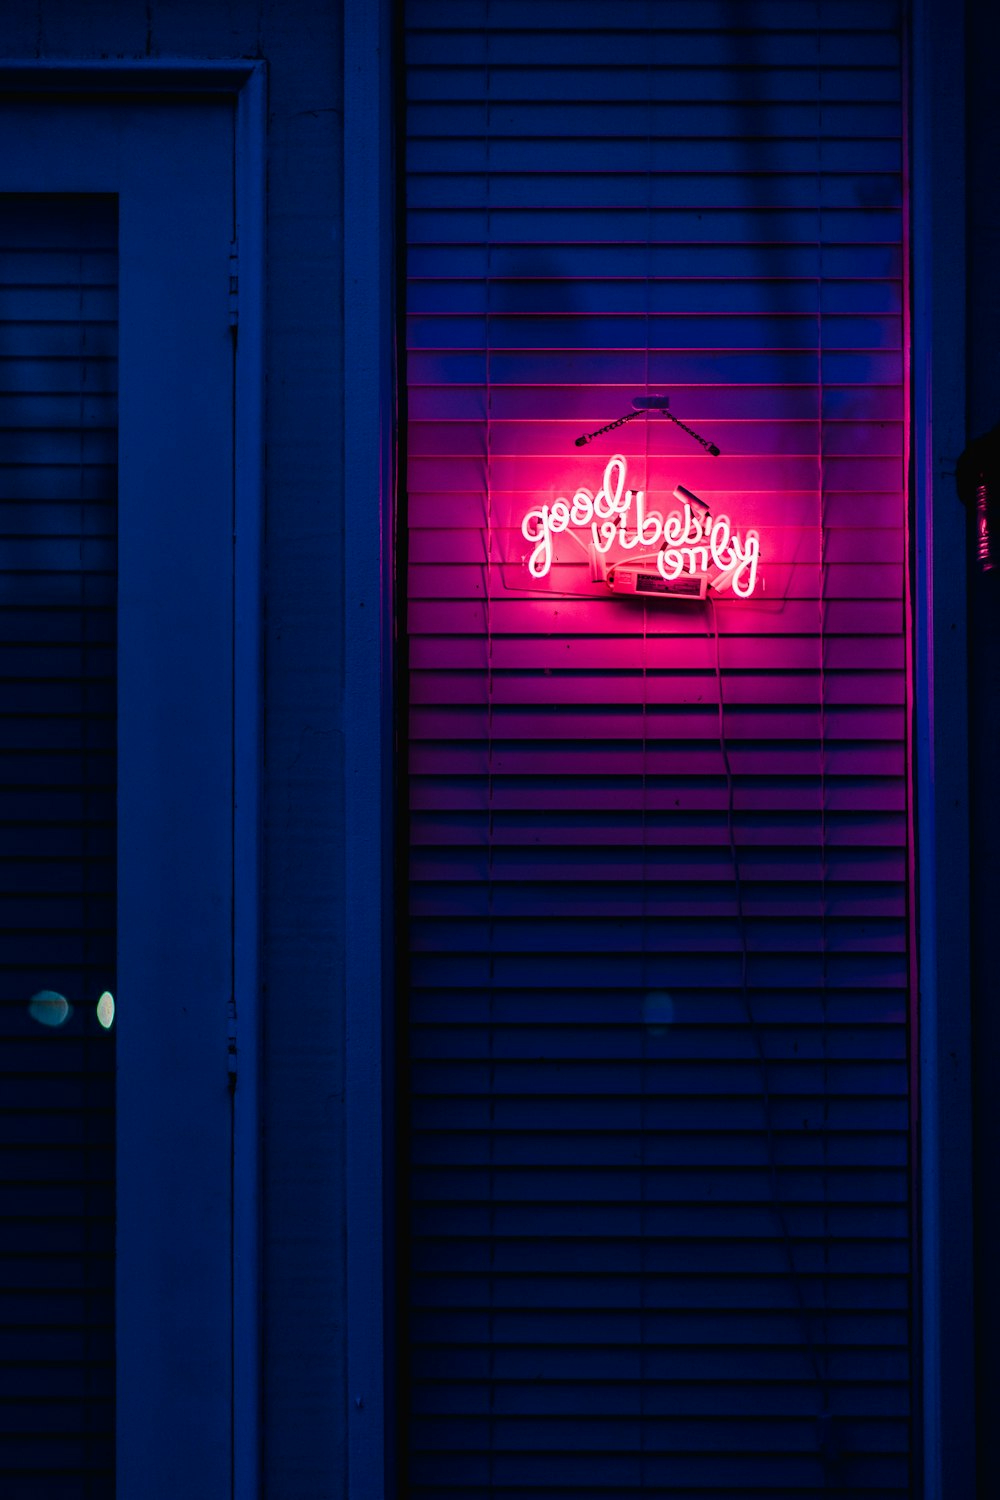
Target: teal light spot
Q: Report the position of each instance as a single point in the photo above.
(49, 1008)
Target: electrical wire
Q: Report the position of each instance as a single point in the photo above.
(828, 1446)
(754, 1024)
(490, 788)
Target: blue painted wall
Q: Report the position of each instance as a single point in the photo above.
(982, 413)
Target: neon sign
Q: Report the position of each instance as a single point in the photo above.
(692, 549)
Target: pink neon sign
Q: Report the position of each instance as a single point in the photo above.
(688, 550)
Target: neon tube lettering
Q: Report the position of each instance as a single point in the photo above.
(689, 538)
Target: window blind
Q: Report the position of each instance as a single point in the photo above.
(58, 338)
(658, 1177)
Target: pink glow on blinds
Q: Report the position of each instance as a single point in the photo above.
(659, 979)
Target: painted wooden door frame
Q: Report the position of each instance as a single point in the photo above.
(243, 85)
(369, 609)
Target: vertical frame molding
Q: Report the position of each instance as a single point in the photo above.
(248, 729)
(945, 1132)
(369, 337)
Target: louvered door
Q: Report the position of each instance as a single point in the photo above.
(658, 1190)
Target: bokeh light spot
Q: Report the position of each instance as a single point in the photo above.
(49, 1008)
